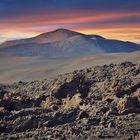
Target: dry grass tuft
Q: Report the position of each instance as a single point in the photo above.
(72, 102)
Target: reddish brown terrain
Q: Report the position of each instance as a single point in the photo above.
(100, 102)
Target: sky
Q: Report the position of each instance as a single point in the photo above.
(114, 19)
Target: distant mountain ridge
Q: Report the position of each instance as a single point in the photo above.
(57, 35)
(66, 43)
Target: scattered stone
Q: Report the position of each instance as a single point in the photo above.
(101, 102)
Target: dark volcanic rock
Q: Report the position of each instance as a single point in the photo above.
(83, 114)
(129, 105)
(101, 102)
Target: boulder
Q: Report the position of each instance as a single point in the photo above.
(128, 105)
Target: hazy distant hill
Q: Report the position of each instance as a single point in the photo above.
(66, 43)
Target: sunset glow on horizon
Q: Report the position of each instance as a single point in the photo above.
(28, 18)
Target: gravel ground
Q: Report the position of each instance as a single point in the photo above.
(100, 102)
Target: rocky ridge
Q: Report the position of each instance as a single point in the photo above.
(101, 102)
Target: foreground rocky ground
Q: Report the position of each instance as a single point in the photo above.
(101, 102)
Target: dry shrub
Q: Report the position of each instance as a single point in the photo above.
(48, 102)
(72, 102)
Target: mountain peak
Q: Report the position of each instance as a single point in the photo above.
(62, 31)
(66, 31)
(57, 35)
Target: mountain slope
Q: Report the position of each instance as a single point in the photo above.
(57, 35)
(66, 43)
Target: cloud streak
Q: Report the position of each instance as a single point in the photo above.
(109, 18)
